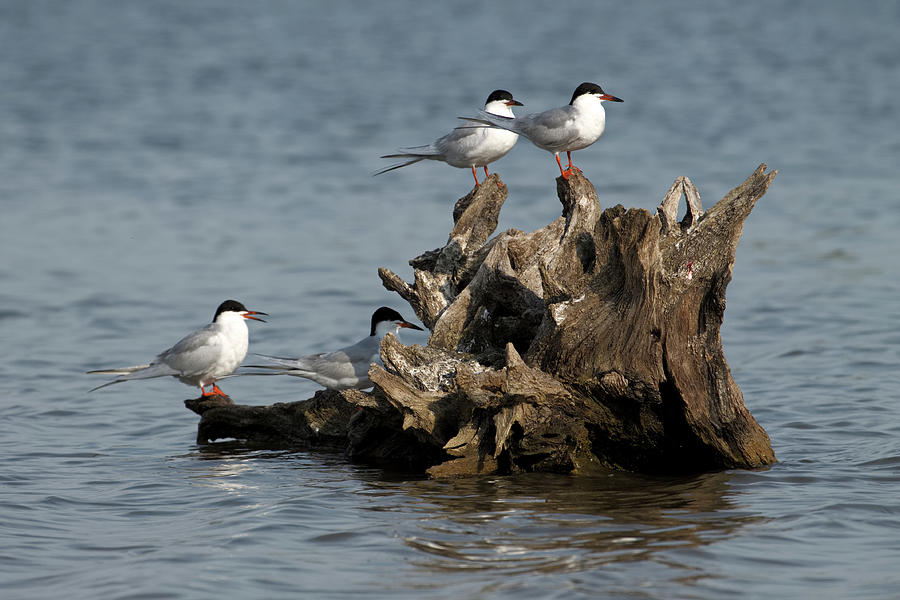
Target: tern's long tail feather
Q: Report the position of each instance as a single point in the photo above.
(298, 367)
(274, 370)
(136, 372)
(491, 120)
(415, 154)
(397, 166)
(270, 370)
(120, 370)
(481, 123)
(281, 362)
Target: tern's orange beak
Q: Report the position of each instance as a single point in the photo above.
(610, 98)
(249, 315)
(409, 325)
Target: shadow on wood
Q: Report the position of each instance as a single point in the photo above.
(590, 343)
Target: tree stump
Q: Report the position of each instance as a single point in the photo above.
(590, 343)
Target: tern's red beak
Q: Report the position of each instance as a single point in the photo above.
(409, 325)
(513, 103)
(249, 315)
(610, 98)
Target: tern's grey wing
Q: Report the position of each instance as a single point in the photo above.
(546, 130)
(341, 366)
(341, 369)
(194, 352)
(486, 118)
(365, 350)
(351, 361)
(335, 370)
(550, 129)
(444, 144)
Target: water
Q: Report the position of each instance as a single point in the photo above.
(160, 157)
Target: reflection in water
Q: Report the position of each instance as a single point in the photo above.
(225, 475)
(589, 529)
(551, 523)
(221, 466)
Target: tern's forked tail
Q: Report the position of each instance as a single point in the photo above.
(415, 158)
(148, 371)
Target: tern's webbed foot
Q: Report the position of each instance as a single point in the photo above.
(215, 391)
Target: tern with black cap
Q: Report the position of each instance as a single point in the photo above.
(564, 129)
(202, 357)
(469, 147)
(345, 368)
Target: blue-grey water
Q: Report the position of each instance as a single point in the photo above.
(159, 157)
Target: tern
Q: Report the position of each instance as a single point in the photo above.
(202, 357)
(344, 368)
(468, 147)
(563, 129)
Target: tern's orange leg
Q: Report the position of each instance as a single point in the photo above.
(565, 173)
(486, 174)
(475, 175)
(571, 166)
(215, 391)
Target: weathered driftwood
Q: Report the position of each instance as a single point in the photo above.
(593, 342)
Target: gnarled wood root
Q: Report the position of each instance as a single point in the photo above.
(593, 342)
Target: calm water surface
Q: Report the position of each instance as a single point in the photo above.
(160, 157)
